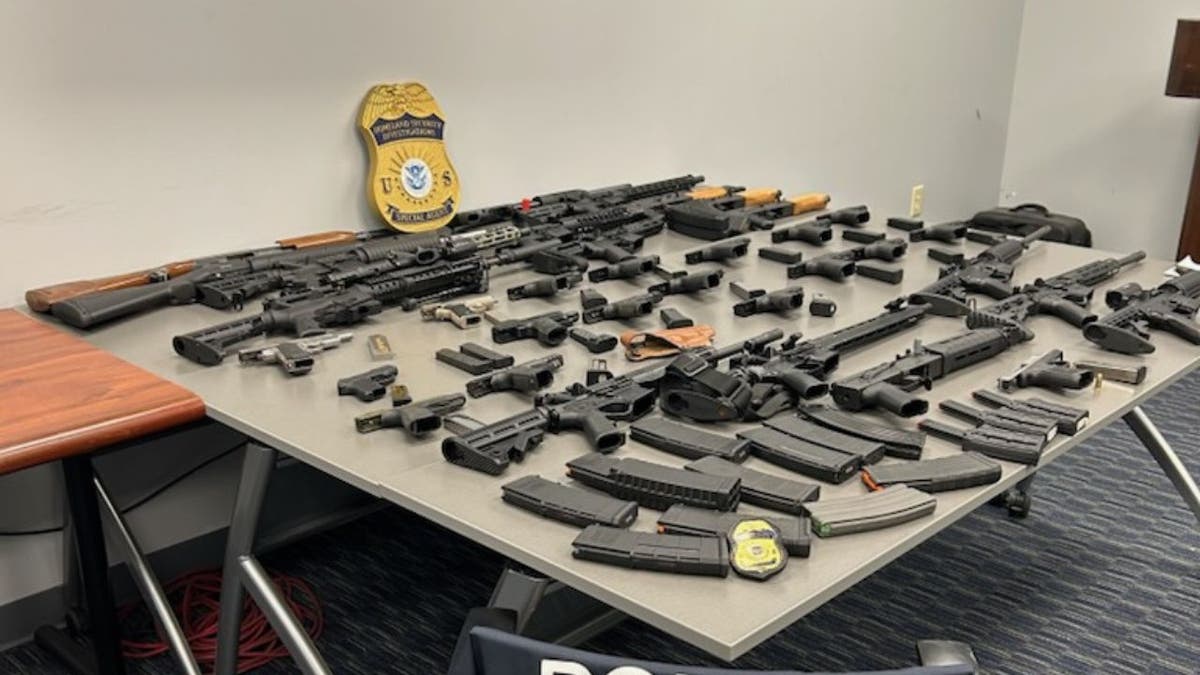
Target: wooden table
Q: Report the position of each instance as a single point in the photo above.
(62, 399)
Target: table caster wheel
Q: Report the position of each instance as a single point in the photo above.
(1018, 503)
(77, 623)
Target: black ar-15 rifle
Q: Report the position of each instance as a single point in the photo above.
(313, 311)
(1170, 306)
(764, 382)
(739, 213)
(223, 281)
(295, 248)
(553, 236)
(553, 233)
(799, 371)
(577, 203)
(889, 385)
(593, 409)
(1065, 295)
(988, 273)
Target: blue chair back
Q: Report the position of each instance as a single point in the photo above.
(498, 652)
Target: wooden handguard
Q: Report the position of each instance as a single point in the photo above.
(813, 201)
(318, 239)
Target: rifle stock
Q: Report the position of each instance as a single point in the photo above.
(41, 299)
(92, 309)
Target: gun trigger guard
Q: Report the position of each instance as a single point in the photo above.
(642, 345)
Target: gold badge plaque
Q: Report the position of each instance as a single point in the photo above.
(410, 180)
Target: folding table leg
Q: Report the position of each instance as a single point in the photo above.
(1162, 452)
(548, 610)
(152, 593)
(521, 592)
(72, 584)
(103, 632)
(241, 572)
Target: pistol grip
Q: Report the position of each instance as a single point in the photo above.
(1068, 311)
(1188, 330)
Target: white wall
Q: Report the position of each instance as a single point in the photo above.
(1091, 132)
(133, 133)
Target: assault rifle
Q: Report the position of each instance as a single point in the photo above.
(559, 206)
(800, 370)
(43, 299)
(223, 281)
(226, 282)
(557, 234)
(764, 382)
(713, 219)
(889, 385)
(1065, 296)
(988, 273)
(593, 409)
(313, 311)
(1170, 306)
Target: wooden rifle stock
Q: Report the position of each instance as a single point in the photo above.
(41, 299)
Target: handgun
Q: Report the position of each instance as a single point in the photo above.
(368, 386)
(461, 313)
(295, 356)
(418, 418)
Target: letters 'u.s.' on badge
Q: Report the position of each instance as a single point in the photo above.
(410, 180)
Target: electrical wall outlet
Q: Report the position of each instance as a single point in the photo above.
(916, 203)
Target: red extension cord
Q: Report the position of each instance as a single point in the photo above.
(196, 599)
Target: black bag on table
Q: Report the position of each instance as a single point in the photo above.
(1026, 218)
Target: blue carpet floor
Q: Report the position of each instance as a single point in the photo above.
(1103, 577)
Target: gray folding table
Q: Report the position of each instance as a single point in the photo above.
(303, 418)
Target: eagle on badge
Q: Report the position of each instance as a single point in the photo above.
(410, 180)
